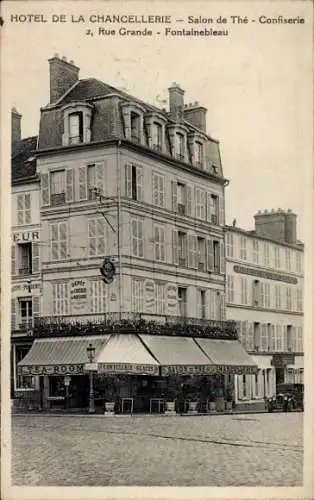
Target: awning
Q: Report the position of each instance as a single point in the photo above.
(60, 356)
(178, 355)
(227, 355)
(125, 353)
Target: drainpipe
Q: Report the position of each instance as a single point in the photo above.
(119, 227)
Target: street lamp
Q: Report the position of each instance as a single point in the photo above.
(90, 353)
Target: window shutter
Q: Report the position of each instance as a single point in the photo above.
(210, 255)
(36, 306)
(174, 196)
(140, 238)
(190, 250)
(139, 184)
(69, 193)
(208, 206)
(100, 231)
(54, 238)
(100, 176)
(222, 258)
(44, 184)
(240, 386)
(91, 237)
(20, 209)
(221, 211)
(13, 314)
(13, 260)
(83, 183)
(222, 307)
(155, 189)
(188, 200)
(175, 257)
(27, 206)
(35, 258)
(128, 180)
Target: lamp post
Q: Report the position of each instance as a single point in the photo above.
(90, 353)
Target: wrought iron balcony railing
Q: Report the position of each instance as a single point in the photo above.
(134, 323)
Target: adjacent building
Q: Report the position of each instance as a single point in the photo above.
(264, 269)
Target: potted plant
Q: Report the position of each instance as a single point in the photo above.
(170, 403)
(193, 405)
(229, 398)
(211, 402)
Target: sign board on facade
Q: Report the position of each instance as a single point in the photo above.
(172, 298)
(77, 369)
(281, 360)
(78, 295)
(265, 274)
(23, 288)
(25, 236)
(206, 369)
(128, 368)
(91, 367)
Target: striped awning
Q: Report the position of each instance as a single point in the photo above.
(178, 355)
(60, 356)
(126, 354)
(228, 356)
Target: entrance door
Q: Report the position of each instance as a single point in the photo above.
(280, 375)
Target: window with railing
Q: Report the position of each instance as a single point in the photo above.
(201, 304)
(182, 248)
(213, 209)
(201, 253)
(200, 203)
(57, 187)
(26, 313)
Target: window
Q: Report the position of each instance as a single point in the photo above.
(244, 299)
(230, 244)
(256, 336)
(266, 254)
(267, 295)
(159, 243)
(212, 208)
(261, 295)
(255, 251)
(135, 127)
(244, 386)
(288, 298)
(137, 237)
(26, 312)
(22, 381)
(277, 257)
(60, 299)
(264, 338)
(200, 210)
(91, 182)
(182, 301)
(279, 338)
(278, 296)
(299, 339)
(76, 127)
(59, 240)
(182, 248)
(158, 190)
(180, 146)
(138, 295)
(134, 188)
(57, 187)
(290, 342)
(97, 237)
(230, 288)
(243, 252)
(216, 254)
(288, 259)
(97, 297)
(181, 198)
(256, 292)
(201, 304)
(199, 154)
(25, 258)
(157, 133)
(299, 300)
(160, 298)
(201, 253)
(23, 209)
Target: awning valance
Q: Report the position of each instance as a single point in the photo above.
(125, 353)
(60, 356)
(227, 355)
(178, 355)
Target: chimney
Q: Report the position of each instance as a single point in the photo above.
(276, 225)
(63, 74)
(15, 127)
(176, 102)
(196, 115)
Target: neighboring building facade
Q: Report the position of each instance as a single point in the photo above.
(264, 271)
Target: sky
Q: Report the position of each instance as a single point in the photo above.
(256, 82)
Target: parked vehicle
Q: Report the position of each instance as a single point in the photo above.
(288, 397)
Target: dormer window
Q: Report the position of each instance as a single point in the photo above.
(133, 114)
(77, 123)
(180, 146)
(135, 127)
(76, 128)
(157, 136)
(199, 154)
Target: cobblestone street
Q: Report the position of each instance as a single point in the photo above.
(227, 450)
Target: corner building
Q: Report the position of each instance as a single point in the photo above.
(143, 189)
(264, 269)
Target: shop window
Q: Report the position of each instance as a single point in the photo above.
(22, 381)
(56, 387)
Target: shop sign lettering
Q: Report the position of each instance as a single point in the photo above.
(24, 287)
(265, 274)
(51, 369)
(78, 294)
(128, 368)
(206, 369)
(26, 236)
